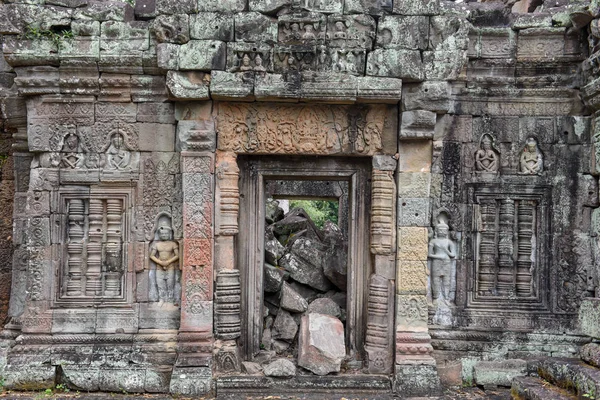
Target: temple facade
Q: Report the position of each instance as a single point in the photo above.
(148, 149)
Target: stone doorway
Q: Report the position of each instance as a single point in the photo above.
(346, 180)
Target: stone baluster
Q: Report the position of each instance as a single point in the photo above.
(506, 272)
(112, 250)
(487, 248)
(75, 246)
(93, 273)
(525, 234)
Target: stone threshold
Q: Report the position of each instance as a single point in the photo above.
(372, 387)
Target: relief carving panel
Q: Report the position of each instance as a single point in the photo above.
(301, 129)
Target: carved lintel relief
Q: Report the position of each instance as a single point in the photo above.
(383, 215)
(303, 129)
(227, 194)
(94, 263)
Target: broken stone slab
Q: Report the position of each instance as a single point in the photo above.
(273, 278)
(295, 221)
(203, 55)
(304, 264)
(292, 300)
(230, 6)
(418, 124)
(280, 346)
(491, 374)
(335, 263)
(177, 7)
(367, 7)
(589, 317)
(284, 327)
(305, 291)
(264, 356)
(273, 249)
(321, 345)
(590, 353)
(255, 27)
(273, 212)
(529, 387)
(325, 306)
(280, 368)
(268, 6)
(416, 7)
(378, 89)
(232, 86)
(188, 85)
(251, 368)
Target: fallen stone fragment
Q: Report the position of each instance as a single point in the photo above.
(273, 250)
(251, 368)
(285, 327)
(325, 306)
(280, 368)
(304, 264)
(321, 345)
(273, 278)
(291, 300)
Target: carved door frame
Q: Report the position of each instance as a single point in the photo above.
(255, 172)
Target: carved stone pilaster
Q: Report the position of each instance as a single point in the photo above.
(487, 248)
(227, 195)
(94, 248)
(75, 247)
(379, 339)
(227, 310)
(506, 284)
(383, 216)
(525, 233)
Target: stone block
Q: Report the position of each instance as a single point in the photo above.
(417, 380)
(83, 378)
(232, 86)
(103, 11)
(242, 58)
(384, 163)
(417, 124)
(212, 26)
(157, 380)
(188, 85)
(177, 7)
(416, 7)
(29, 377)
(412, 243)
(414, 184)
(491, 374)
(119, 380)
(167, 56)
(590, 353)
(117, 321)
(432, 96)
(171, 28)
(540, 43)
(411, 277)
(350, 31)
(321, 345)
(589, 317)
(191, 381)
(457, 128)
(148, 88)
(232, 6)
(328, 7)
(74, 321)
(124, 37)
(280, 368)
(403, 32)
(156, 137)
(162, 113)
(268, 6)
(395, 63)
(414, 211)
(203, 55)
(497, 43)
(196, 135)
(367, 7)
(379, 90)
(385, 265)
(415, 155)
(145, 9)
(444, 64)
(255, 27)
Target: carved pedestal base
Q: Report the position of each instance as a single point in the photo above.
(227, 357)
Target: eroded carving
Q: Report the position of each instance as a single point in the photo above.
(245, 128)
(118, 156)
(383, 212)
(442, 255)
(487, 158)
(164, 253)
(531, 161)
(379, 339)
(228, 194)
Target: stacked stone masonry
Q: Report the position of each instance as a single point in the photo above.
(138, 140)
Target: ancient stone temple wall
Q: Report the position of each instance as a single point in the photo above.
(139, 140)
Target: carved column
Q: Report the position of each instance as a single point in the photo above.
(379, 336)
(228, 290)
(415, 368)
